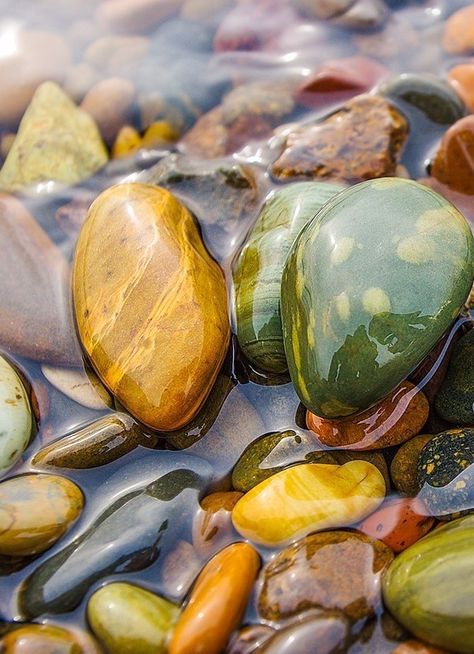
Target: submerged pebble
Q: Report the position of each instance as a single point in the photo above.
(16, 420)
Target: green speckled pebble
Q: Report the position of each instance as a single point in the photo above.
(258, 271)
(16, 422)
(455, 399)
(446, 473)
(130, 620)
(429, 590)
(369, 287)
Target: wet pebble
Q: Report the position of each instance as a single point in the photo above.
(212, 525)
(363, 15)
(140, 16)
(329, 632)
(16, 421)
(461, 78)
(458, 37)
(48, 639)
(454, 160)
(82, 386)
(404, 466)
(455, 399)
(249, 639)
(109, 102)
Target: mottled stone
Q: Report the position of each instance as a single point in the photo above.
(217, 601)
(146, 287)
(212, 525)
(258, 270)
(16, 420)
(36, 320)
(427, 587)
(335, 570)
(391, 421)
(404, 466)
(82, 386)
(458, 37)
(96, 444)
(454, 161)
(361, 141)
(36, 510)
(126, 618)
(455, 399)
(461, 78)
(56, 142)
(249, 639)
(352, 331)
(308, 497)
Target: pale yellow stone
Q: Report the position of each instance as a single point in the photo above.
(307, 498)
(375, 300)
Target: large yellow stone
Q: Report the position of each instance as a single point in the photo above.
(307, 498)
(150, 303)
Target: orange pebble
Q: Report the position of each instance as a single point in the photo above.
(462, 80)
(417, 647)
(398, 523)
(458, 37)
(217, 601)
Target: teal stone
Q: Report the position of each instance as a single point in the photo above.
(428, 587)
(455, 399)
(258, 270)
(369, 287)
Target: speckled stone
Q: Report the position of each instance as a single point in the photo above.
(404, 466)
(455, 399)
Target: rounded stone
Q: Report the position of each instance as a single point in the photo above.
(369, 287)
(458, 37)
(308, 497)
(82, 386)
(36, 510)
(404, 466)
(454, 161)
(455, 399)
(16, 420)
(417, 647)
(334, 570)
(426, 588)
(461, 79)
(212, 526)
(126, 618)
(109, 102)
(144, 283)
(391, 421)
(329, 632)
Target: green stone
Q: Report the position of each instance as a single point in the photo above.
(427, 588)
(369, 287)
(455, 399)
(258, 271)
(126, 618)
(56, 141)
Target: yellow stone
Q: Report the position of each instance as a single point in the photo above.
(150, 303)
(306, 498)
(127, 142)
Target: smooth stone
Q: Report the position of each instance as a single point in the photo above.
(137, 248)
(349, 345)
(36, 58)
(308, 497)
(426, 588)
(455, 399)
(127, 142)
(249, 639)
(330, 633)
(82, 386)
(180, 568)
(98, 443)
(36, 510)
(458, 36)
(363, 15)
(47, 639)
(268, 99)
(129, 535)
(126, 618)
(454, 161)
(212, 525)
(323, 9)
(391, 421)
(259, 268)
(398, 523)
(36, 320)
(140, 16)
(446, 473)
(417, 647)
(16, 420)
(425, 93)
(404, 466)
(116, 56)
(217, 601)
(110, 103)
(56, 142)
(363, 140)
(461, 78)
(335, 570)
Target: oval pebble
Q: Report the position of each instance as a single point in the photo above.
(16, 421)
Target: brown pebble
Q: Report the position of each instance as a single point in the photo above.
(458, 37)
(404, 466)
(109, 103)
(139, 16)
(453, 164)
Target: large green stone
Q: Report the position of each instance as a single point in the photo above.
(258, 271)
(428, 587)
(369, 287)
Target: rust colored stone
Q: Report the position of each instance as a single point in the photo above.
(453, 164)
(462, 79)
(458, 37)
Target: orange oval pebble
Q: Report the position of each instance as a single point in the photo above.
(213, 524)
(217, 601)
(398, 523)
(458, 37)
(392, 421)
(417, 647)
(462, 80)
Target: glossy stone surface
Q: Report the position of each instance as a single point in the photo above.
(426, 587)
(446, 473)
(16, 420)
(56, 142)
(212, 526)
(36, 319)
(82, 386)
(248, 639)
(335, 570)
(96, 444)
(130, 534)
(398, 523)
(458, 37)
(47, 639)
(404, 466)
(368, 289)
(259, 267)
(126, 618)
(36, 510)
(144, 283)
(455, 399)
(329, 632)
(391, 421)
(308, 497)
(217, 601)
(453, 162)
